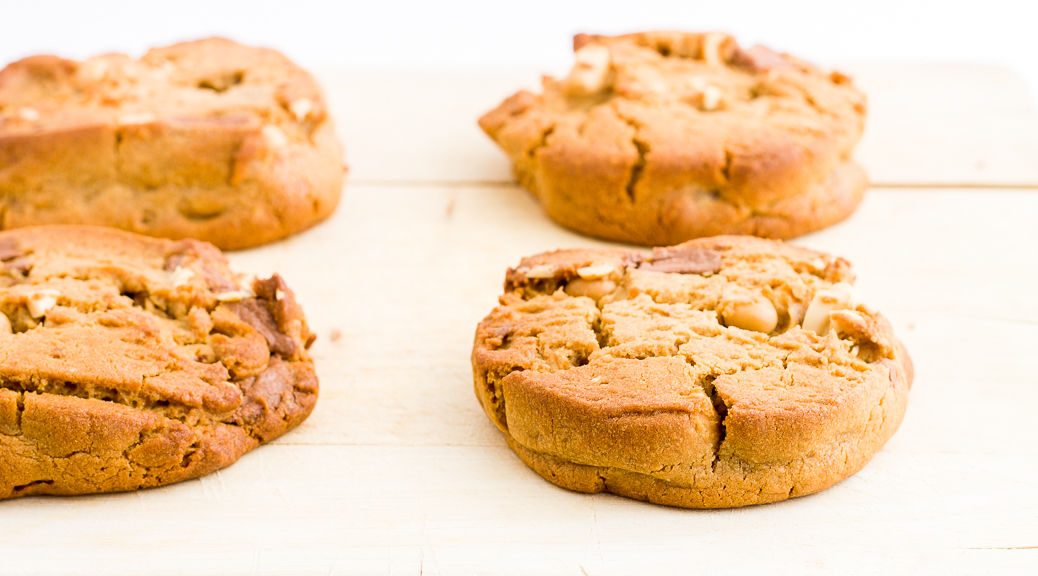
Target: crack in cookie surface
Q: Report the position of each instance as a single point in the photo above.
(691, 369)
(636, 128)
(128, 362)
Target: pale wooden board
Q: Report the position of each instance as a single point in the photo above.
(465, 510)
(933, 125)
(947, 125)
(399, 472)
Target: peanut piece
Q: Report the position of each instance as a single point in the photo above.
(591, 70)
(595, 271)
(540, 271)
(712, 47)
(593, 289)
(233, 296)
(825, 301)
(758, 315)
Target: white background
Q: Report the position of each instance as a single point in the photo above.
(379, 480)
(460, 33)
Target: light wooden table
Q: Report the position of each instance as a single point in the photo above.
(398, 471)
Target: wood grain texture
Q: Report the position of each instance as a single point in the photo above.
(399, 472)
(466, 510)
(947, 125)
(928, 125)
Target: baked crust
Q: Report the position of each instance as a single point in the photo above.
(610, 371)
(207, 139)
(686, 135)
(128, 362)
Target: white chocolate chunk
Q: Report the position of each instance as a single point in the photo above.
(712, 97)
(233, 295)
(278, 294)
(41, 301)
(595, 271)
(245, 282)
(274, 137)
(29, 114)
(181, 276)
(758, 315)
(591, 70)
(136, 118)
(825, 301)
(301, 108)
(541, 271)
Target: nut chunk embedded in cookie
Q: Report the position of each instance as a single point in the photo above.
(722, 372)
(660, 137)
(129, 362)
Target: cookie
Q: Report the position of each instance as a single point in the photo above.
(661, 137)
(209, 139)
(128, 362)
(722, 372)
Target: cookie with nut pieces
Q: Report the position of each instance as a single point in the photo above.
(722, 372)
(129, 362)
(660, 137)
(209, 139)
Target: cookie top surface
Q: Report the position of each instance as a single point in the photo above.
(215, 80)
(149, 356)
(207, 139)
(669, 86)
(659, 137)
(719, 354)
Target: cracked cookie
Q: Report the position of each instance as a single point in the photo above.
(660, 137)
(722, 372)
(128, 362)
(207, 139)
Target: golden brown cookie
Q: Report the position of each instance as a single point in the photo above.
(128, 362)
(207, 139)
(722, 372)
(661, 137)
